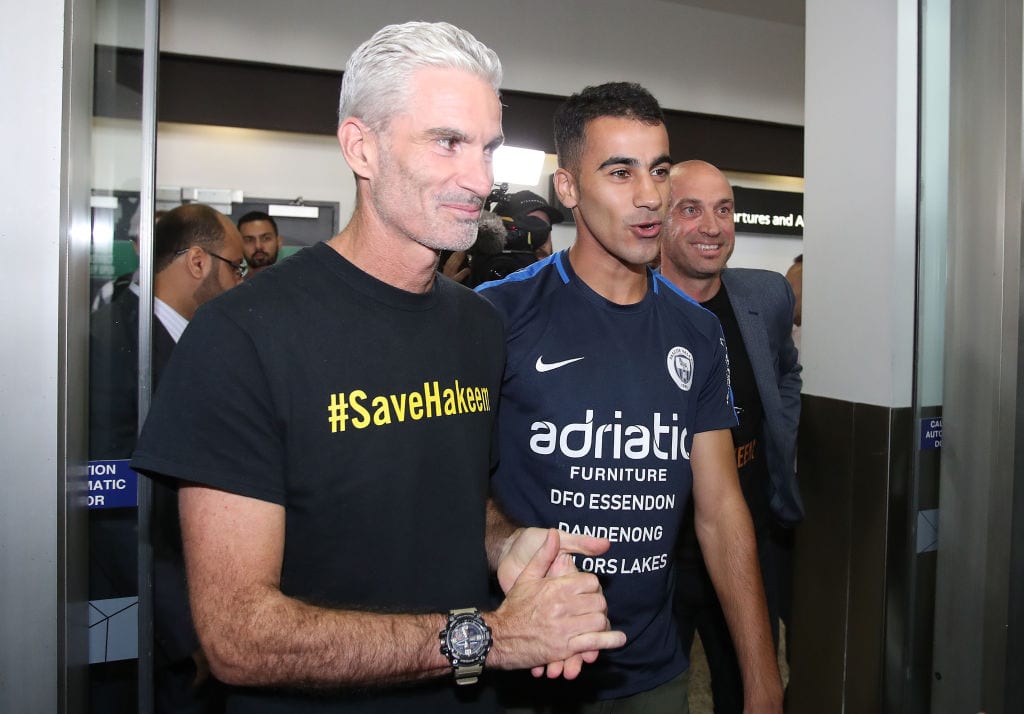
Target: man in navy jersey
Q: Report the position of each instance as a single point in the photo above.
(330, 427)
(615, 405)
(756, 309)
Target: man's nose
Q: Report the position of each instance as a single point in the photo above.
(709, 224)
(648, 193)
(477, 173)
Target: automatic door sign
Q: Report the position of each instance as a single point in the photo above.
(931, 433)
(112, 485)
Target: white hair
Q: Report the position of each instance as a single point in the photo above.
(376, 80)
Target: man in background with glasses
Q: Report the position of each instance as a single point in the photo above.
(197, 255)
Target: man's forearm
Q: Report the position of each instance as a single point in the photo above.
(280, 641)
(730, 553)
(253, 634)
(500, 530)
(268, 639)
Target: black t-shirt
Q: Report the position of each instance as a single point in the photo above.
(368, 413)
(747, 436)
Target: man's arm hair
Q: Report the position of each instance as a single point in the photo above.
(726, 536)
(501, 532)
(255, 635)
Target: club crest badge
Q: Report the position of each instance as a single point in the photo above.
(680, 367)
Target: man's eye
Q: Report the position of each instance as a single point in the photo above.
(448, 142)
(620, 173)
(660, 172)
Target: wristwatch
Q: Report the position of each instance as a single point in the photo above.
(465, 641)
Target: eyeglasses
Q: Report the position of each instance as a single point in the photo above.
(241, 268)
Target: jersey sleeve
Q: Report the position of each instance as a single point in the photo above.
(213, 420)
(715, 406)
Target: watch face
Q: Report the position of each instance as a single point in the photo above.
(467, 639)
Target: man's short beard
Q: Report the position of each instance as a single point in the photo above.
(688, 271)
(208, 288)
(255, 262)
(466, 238)
(460, 237)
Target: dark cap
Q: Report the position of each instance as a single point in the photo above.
(521, 203)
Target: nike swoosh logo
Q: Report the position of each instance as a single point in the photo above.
(543, 366)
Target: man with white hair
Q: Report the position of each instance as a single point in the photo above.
(335, 519)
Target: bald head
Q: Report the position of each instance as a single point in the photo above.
(197, 255)
(686, 174)
(185, 226)
(700, 234)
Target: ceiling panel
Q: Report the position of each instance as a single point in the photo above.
(790, 12)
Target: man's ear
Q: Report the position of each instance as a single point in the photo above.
(565, 187)
(195, 259)
(358, 146)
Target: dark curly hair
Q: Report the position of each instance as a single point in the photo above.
(614, 99)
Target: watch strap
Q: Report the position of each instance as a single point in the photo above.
(465, 673)
(468, 675)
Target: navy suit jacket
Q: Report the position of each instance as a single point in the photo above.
(763, 303)
(113, 427)
(114, 375)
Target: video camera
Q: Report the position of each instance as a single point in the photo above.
(523, 233)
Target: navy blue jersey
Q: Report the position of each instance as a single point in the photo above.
(599, 406)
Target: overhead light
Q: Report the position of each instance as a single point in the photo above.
(220, 196)
(518, 166)
(103, 202)
(293, 211)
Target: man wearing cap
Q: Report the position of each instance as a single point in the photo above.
(531, 211)
(514, 234)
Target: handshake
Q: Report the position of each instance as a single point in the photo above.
(554, 617)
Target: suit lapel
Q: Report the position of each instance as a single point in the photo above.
(163, 345)
(755, 339)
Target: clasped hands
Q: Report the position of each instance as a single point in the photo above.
(554, 613)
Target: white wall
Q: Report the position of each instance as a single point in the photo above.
(261, 163)
(766, 252)
(861, 201)
(691, 59)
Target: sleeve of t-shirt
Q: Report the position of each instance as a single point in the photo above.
(715, 407)
(214, 421)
